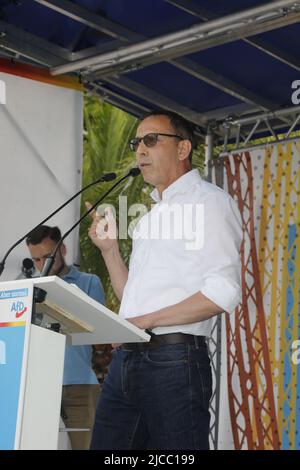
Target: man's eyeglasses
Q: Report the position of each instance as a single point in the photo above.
(150, 140)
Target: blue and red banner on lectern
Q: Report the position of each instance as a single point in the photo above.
(15, 316)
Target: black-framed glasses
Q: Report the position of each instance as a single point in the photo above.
(150, 140)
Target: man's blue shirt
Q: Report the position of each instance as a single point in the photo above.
(78, 359)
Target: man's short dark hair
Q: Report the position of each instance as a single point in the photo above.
(41, 232)
(180, 125)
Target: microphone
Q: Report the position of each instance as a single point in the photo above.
(102, 179)
(134, 172)
(28, 267)
(50, 260)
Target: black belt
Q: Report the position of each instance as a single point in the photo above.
(159, 340)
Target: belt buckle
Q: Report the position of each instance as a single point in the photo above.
(200, 341)
(133, 347)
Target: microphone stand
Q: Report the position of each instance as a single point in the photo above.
(50, 260)
(103, 178)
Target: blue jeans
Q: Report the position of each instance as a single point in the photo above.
(155, 399)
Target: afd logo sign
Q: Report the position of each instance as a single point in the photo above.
(18, 308)
(2, 353)
(2, 92)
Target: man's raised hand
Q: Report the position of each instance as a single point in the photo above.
(103, 231)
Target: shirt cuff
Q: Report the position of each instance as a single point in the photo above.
(223, 293)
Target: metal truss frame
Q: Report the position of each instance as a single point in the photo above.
(212, 31)
(198, 37)
(241, 131)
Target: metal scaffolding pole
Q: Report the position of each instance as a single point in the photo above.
(209, 146)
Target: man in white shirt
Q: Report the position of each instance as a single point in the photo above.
(184, 269)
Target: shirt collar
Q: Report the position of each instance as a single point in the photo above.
(181, 185)
(72, 274)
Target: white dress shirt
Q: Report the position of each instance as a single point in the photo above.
(188, 242)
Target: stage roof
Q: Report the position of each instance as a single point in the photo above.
(209, 60)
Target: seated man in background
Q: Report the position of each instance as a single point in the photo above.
(80, 384)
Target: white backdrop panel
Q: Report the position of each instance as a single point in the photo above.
(41, 159)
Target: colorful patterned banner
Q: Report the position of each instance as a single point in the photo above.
(263, 360)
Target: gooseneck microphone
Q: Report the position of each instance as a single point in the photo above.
(28, 267)
(102, 179)
(50, 261)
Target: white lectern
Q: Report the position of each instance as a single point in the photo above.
(32, 357)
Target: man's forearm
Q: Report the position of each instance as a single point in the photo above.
(117, 270)
(191, 310)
